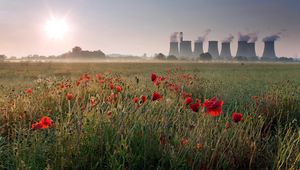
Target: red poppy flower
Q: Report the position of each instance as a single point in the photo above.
(62, 86)
(158, 80)
(112, 98)
(188, 100)
(184, 94)
(119, 88)
(184, 141)
(78, 82)
(29, 91)
(156, 96)
(199, 146)
(162, 140)
(135, 99)
(174, 87)
(195, 107)
(101, 81)
(36, 126)
(46, 121)
(111, 86)
(85, 77)
(93, 101)
(109, 114)
(144, 99)
(237, 117)
(214, 106)
(99, 76)
(69, 96)
(153, 77)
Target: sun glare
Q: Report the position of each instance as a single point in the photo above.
(56, 28)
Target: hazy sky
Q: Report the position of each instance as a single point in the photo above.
(143, 26)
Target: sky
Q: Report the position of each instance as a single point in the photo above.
(143, 26)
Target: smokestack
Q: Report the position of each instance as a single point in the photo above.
(213, 49)
(269, 51)
(242, 49)
(186, 49)
(174, 49)
(225, 51)
(251, 50)
(181, 36)
(198, 49)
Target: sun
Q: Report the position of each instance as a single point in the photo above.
(56, 28)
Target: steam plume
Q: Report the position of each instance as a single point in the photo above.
(173, 37)
(243, 37)
(203, 37)
(253, 37)
(228, 39)
(274, 37)
(250, 37)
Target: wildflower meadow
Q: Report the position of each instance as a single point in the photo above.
(149, 116)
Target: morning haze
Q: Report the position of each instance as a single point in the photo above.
(141, 26)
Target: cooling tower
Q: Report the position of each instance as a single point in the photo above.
(198, 49)
(174, 49)
(251, 50)
(243, 49)
(225, 51)
(269, 51)
(186, 49)
(213, 49)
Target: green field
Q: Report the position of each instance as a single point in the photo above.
(101, 128)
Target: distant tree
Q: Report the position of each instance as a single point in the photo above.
(2, 57)
(160, 56)
(76, 50)
(240, 58)
(253, 58)
(172, 57)
(205, 57)
(285, 59)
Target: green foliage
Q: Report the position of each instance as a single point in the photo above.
(172, 57)
(205, 57)
(240, 58)
(160, 56)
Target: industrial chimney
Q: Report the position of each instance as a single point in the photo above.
(251, 50)
(174, 49)
(198, 49)
(269, 51)
(243, 49)
(225, 51)
(213, 49)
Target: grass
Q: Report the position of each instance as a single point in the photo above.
(116, 133)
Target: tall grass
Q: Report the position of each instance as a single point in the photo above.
(120, 134)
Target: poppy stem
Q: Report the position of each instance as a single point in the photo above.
(69, 104)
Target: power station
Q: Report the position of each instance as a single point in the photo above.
(245, 48)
